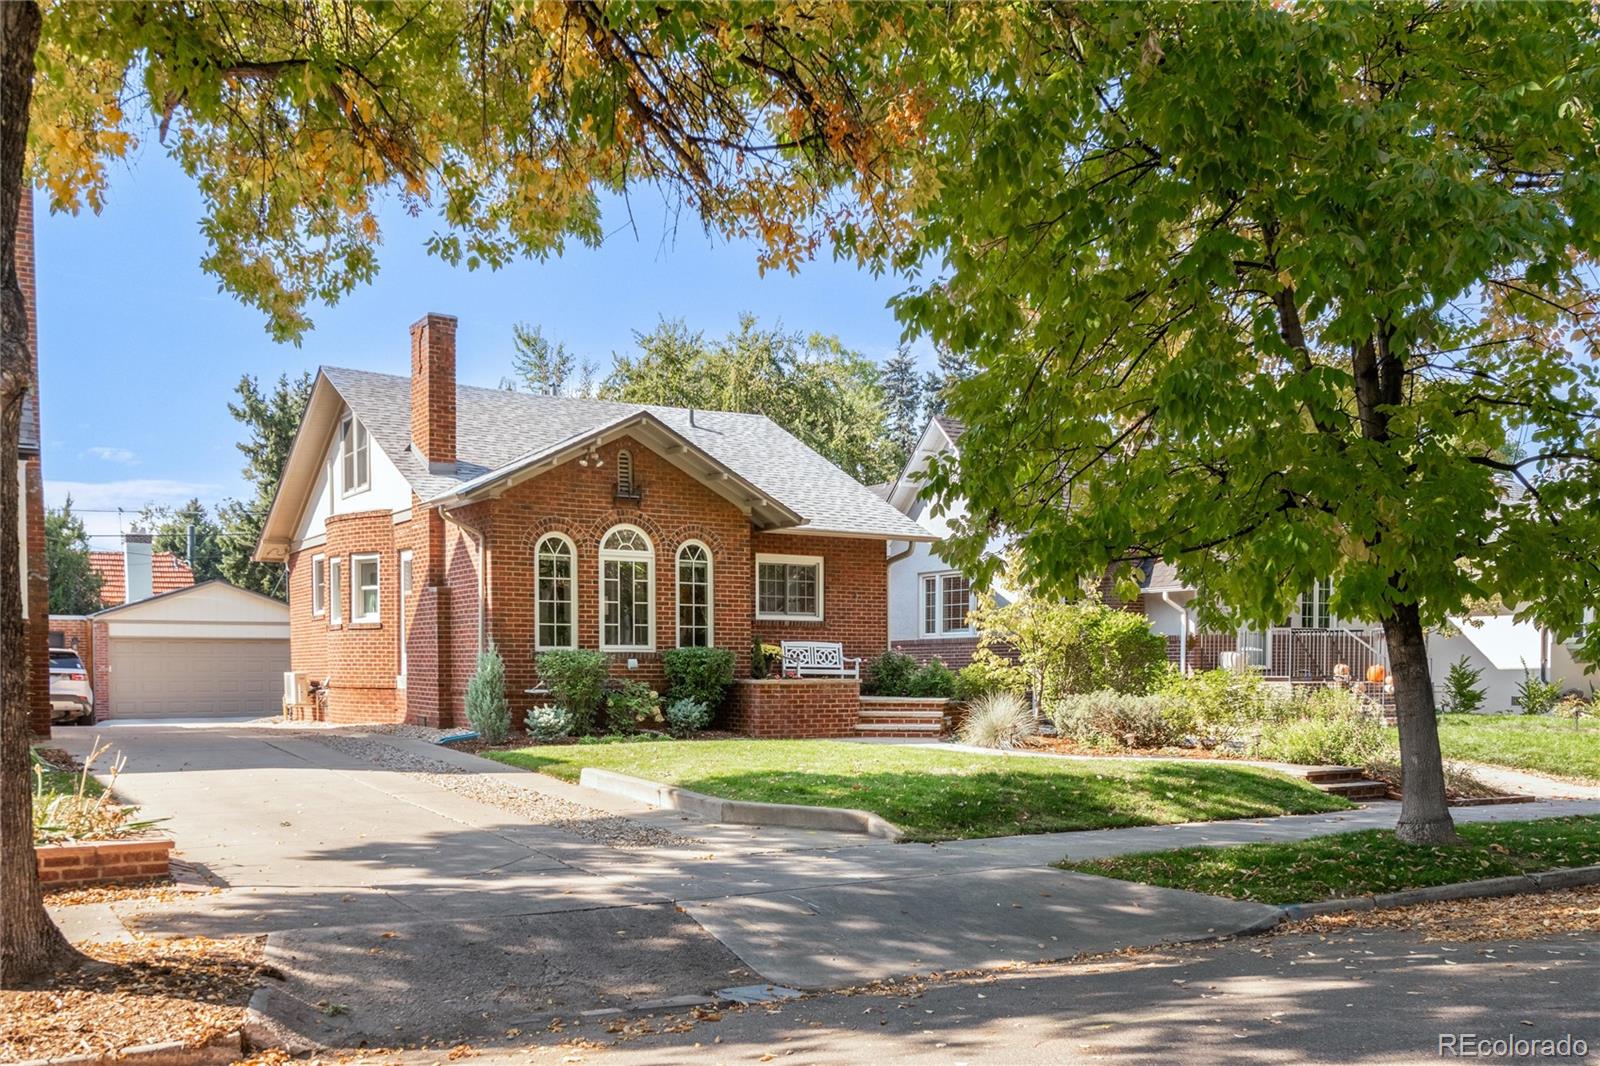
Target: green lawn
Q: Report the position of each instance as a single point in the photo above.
(1358, 864)
(1544, 743)
(939, 795)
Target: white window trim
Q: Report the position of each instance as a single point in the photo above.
(711, 593)
(336, 591)
(937, 577)
(347, 432)
(649, 559)
(763, 616)
(319, 588)
(403, 562)
(572, 596)
(355, 588)
(1320, 599)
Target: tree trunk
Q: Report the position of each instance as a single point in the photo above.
(1424, 815)
(30, 944)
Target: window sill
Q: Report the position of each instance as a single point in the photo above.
(371, 623)
(807, 618)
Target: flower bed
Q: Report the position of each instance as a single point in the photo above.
(84, 863)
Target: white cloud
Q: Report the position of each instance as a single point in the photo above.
(97, 502)
(113, 455)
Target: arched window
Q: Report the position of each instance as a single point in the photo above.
(627, 576)
(556, 606)
(625, 474)
(694, 596)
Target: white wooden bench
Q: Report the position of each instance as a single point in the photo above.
(817, 658)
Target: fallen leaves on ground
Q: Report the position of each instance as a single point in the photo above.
(192, 990)
(1569, 912)
(152, 892)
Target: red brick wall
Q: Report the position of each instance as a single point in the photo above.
(855, 591)
(955, 652)
(580, 503)
(795, 709)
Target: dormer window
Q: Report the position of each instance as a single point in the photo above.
(355, 458)
(626, 490)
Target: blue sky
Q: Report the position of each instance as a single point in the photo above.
(139, 352)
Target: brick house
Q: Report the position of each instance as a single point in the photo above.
(419, 519)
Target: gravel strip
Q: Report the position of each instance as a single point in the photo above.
(591, 823)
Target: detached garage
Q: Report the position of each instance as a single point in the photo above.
(212, 650)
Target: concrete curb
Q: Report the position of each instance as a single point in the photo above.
(741, 812)
(1546, 881)
(223, 1050)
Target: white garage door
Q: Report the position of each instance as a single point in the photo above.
(172, 678)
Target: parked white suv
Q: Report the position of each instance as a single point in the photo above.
(71, 695)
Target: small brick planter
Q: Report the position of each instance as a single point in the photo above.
(81, 864)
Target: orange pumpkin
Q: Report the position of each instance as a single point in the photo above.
(1375, 673)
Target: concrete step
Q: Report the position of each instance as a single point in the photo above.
(1357, 791)
(889, 712)
(930, 729)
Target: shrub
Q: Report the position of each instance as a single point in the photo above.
(1462, 692)
(763, 657)
(686, 716)
(1067, 648)
(487, 709)
(632, 705)
(577, 680)
(1109, 717)
(548, 723)
(1217, 706)
(998, 720)
(699, 674)
(987, 674)
(933, 679)
(890, 674)
(1341, 740)
(1535, 696)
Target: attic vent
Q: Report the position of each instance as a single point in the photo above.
(626, 489)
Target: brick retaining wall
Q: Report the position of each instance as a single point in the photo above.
(792, 709)
(103, 862)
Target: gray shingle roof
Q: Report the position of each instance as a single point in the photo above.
(496, 427)
(953, 427)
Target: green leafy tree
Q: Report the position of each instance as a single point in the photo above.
(540, 366)
(74, 586)
(190, 533)
(297, 122)
(811, 385)
(1262, 290)
(1463, 691)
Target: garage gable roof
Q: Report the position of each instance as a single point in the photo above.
(264, 608)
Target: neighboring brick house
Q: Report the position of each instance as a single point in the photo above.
(419, 519)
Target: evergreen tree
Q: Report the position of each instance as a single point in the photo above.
(905, 401)
(171, 534)
(74, 586)
(271, 418)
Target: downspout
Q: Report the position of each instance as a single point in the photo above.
(482, 541)
(894, 557)
(1183, 631)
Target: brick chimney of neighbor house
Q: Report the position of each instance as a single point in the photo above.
(138, 579)
(433, 390)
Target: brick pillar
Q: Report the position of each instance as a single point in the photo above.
(433, 389)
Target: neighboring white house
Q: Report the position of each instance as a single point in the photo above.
(929, 603)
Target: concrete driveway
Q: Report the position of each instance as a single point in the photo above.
(425, 892)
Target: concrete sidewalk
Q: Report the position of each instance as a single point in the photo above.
(386, 887)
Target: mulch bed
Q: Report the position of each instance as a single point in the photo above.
(1569, 912)
(130, 994)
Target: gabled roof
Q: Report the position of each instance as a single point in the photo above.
(172, 594)
(168, 573)
(503, 435)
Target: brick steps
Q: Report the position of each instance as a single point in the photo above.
(1350, 782)
(900, 722)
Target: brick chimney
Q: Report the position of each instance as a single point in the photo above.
(433, 391)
